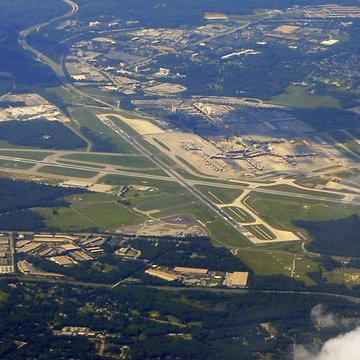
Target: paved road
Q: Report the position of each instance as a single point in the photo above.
(188, 185)
(181, 288)
(172, 177)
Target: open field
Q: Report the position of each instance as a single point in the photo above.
(297, 190)
(161, 202)
(163, 186)
(348, 277)
(67, 172)
(296, 96)
(15, 164)
(88, 165)
(266, 263)
(32, 155)
(179, 203)
(261, 232)
(90, 211)
(281, 211)
(219, 195)
(239, 214)
(126, 161)
(88, 120)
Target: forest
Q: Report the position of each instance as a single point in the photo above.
(18, 197)
(40, 133)
(334, 237)
(206, 325)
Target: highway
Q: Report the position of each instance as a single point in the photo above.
(189, 185)
(227, 291)
(59, 71)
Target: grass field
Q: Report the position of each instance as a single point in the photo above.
(162, 144)
(90, 211)
(6, 145)
(217, 193)
(149, 147)
(123, 126)
(32, 155)
(170, 187)
(312, 182)
(15, 164)
(239, 214)
(160, 202)
(348, 277)
(266, 263)
(90, 165)
(281, 211)
(297, 96)
(296, 190)
(261, 232)
(3, 298)
(89, 120)
(126, 161)
(67, 172)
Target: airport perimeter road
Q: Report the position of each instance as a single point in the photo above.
(189, 186)
(59, 71)
(103, 172)
(128, 172)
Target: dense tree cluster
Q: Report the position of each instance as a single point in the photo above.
(334, 237)
(40, 133)
(18, 197)
(212, 325)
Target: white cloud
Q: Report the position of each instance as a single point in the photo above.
(323, 320)
(343, 347)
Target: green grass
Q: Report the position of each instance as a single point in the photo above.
(126, 161)
(89, 120)
(261, 232)
(89, 211)
(170, 187)
(347, 277)
(312, 182)
(155, 171)
(15, 165)
(281, 211)
(67, 172)
(149, 147)
(32, 155)
(297, 96)
(353, 146)
(66, 95)
(239, 214)
(217, 193)
(3, 298)
(182, 204)
(6, 145)
(266, 263)
(123, 126)
(162, 144)
(345, 174)
(296, 190)
(160, 202)
(69, 162)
